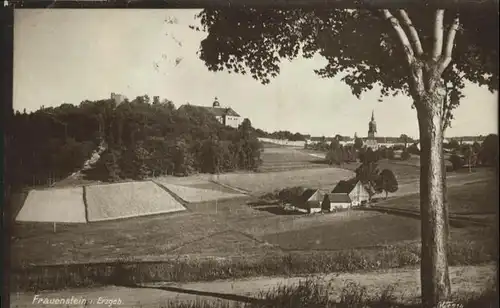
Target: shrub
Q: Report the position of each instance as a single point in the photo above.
(405, 155)
(413, 149)
(387, 182)
(456, 162)
(181, 270)
(390, 153)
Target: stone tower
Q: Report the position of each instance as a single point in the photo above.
(216, 103)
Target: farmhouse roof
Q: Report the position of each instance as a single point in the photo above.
(307, 194)
(339, 198)
(345, 187)
(219, 111)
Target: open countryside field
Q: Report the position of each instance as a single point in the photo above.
(281, 158)
(219, 225)
(62, 205)
(199, 192)
(258, 183)
(234, 214)
(141, 238)
(406, 172)
(123, 200)
(369, 229)
(228, 238)
(475, 198)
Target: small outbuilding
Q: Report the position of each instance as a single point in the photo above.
(353, 189)
(333, 202)
(310, 201)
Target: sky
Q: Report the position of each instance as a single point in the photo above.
(68, 56)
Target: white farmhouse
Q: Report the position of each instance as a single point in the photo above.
(354, 189)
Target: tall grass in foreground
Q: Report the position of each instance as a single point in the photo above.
(183, 270)
(312, 293)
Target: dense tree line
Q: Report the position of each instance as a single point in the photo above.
(142, 139)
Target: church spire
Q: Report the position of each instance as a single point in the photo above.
(372, 126)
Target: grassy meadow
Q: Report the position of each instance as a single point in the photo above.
(230, 239)
(259, 183)
(280, 158)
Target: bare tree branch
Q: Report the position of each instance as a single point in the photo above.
(401, 34)
(438, 35)
(450, 40)
(413, 33)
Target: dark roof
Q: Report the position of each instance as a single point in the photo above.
(339, 198)
(344, 187)
(307, 194)
(231, 112)
(216, 111)
(219, 111)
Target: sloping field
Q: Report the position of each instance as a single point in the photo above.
(131, 199)
(224, 244)
(194, 194)
(369, 229)
(258, 183)
(282, 159)
(56, 205)
(213, 186)
(468, 199)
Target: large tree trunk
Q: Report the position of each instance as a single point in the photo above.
(433, 205)
(429, 93)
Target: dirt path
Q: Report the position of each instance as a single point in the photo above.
(406, 283)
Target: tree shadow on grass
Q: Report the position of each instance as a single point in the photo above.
(225, 296)
(256, 302)
(319, 161)
(263, 203)
(455, 221)
(277, 210)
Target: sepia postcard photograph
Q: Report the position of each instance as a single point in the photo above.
(253, 156)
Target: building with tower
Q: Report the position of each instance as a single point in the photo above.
(225, 115)
(371, 141)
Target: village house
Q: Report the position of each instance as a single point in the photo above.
(345, 195)
(225, 115)
(354, 189)
(333, 202)
(310, 201)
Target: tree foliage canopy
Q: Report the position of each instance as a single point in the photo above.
(387, 181)
(361, 46)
